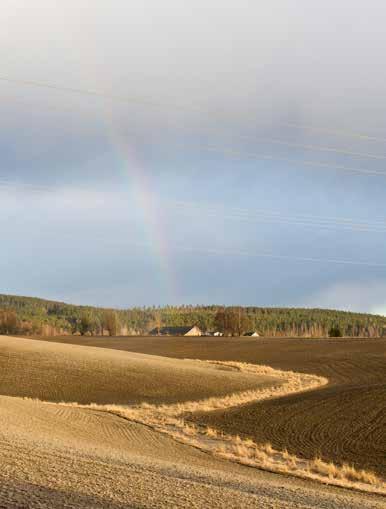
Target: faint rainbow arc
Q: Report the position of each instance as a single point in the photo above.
(154, 229)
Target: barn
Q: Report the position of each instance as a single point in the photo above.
(191, 330)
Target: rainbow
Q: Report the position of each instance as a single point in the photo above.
(132, 170)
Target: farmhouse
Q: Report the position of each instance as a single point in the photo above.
(252, 334)
(177, 331)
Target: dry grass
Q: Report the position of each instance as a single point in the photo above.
(264, 456)
(356, 369)
(171, 420)
(284, 383)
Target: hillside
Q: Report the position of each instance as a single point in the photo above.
(28, 315)
(75, 434)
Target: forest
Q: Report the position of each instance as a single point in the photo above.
(33, 316)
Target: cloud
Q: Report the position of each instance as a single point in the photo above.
(196, 74)
(364, 296)
(247, 61)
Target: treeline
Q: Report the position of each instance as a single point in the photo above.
(32, 316)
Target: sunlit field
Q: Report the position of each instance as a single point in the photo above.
(244, 406)
(341, 422)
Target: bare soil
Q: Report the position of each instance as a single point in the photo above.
(58, 372)
(61, 457)
(55, 456)
(343, 422)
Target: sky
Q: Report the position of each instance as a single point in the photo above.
(202, 152)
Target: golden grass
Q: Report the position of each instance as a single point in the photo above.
(172, 420)
(285, 382)
(264, 456)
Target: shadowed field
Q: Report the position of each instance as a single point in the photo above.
(343, 422)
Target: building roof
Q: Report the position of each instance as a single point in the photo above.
(173, 331)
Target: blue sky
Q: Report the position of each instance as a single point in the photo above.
(185, 180)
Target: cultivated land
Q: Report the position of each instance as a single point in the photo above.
(342, 422)
(57, 372)
(55, 455)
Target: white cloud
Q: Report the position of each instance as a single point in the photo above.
(379, 310)
(361, 296)
(310, 60)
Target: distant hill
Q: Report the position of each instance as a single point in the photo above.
(28, 315)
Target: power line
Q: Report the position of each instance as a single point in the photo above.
(82, 91)
(225, 151)
(306, 216)
(226, 252)
(151, 102)
(336, 132)
(256, 254)
(254, 155)
(235, 152)
(263, 216)
(322, 149)
(258, 139)
(242, 214)
(253, 254)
